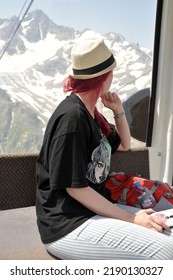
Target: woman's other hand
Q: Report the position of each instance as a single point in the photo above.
(144, 218)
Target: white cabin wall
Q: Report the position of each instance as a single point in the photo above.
(162, 140)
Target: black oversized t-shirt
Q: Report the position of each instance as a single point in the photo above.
(71, 137)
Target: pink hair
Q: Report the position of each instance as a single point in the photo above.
(79, 85)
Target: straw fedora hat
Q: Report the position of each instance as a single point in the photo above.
(91, 58)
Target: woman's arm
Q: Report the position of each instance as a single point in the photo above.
(113, 102)
(101, 206)
(122, 128)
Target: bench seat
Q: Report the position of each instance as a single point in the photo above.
(18, 229)
(19, 235)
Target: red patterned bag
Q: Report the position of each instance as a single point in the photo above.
(123, 191)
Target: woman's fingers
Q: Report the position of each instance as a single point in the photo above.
(144, 218)
(160, 220)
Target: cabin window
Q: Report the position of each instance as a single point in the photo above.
(35, 51)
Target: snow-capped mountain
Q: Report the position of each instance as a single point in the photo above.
(33, 68)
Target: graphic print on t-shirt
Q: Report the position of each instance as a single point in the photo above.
(98, 168)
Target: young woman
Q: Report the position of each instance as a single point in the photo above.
(76, 218)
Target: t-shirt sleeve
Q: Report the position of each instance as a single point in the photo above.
(68, 157)
(113, 138)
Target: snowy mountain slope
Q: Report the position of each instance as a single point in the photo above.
(33, 68)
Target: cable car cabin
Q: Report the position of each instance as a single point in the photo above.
(150, 117)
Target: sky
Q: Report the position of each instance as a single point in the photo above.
(134, 19)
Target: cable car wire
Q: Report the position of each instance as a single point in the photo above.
(15, 29)
(12, 30)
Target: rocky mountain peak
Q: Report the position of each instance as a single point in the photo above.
(34, 66)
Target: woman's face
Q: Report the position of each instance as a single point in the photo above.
(107, 84)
